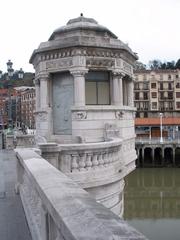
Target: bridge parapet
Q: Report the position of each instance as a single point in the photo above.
(57, 208)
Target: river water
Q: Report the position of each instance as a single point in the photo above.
(152, 202)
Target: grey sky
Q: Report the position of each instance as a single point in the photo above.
(151, 28)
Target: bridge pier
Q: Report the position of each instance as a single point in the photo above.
(161, 154)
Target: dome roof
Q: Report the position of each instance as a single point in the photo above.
(82, 23)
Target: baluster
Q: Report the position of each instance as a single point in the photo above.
(114, 155)
(89, 161)
(95, 161)
(74, 164)
(106, 159)
(101, 161)
(82, 162)
(110, 157)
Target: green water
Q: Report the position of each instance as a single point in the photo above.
(152, 202)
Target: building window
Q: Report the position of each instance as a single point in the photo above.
(177, 104)
(170, 95)
(178, 94)
(136, 86)
(169, 86)
(169, 77)
(178, 85)
(145, 86)
(97, 88)
(154, 105)
(137, 114)
(153, 85)
(161, 95)
(161, 86)
(145, 96)
(177, 76)
(154, 95)
(145, 114)
(136, 96)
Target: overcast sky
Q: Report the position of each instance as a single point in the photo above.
(150, 27)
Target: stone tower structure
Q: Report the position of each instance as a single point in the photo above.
(84, 103)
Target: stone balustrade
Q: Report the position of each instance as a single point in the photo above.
(56, 208)
(97, 167)
(25, 141)
(83, 157)
(13, 141)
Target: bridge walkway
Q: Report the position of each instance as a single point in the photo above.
(13, 225)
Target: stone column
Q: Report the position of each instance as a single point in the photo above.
(130, 93)
(79, 87)
(44, 93)
(37, 90)
(117, 89)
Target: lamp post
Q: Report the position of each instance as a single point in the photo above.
(10, 73)
(161, 138)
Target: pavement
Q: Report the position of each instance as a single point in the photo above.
(13, 224)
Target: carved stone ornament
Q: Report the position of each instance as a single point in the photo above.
(111, 131)
(80, 115)
(119, 114)
(127, 67)
(62, 63)
(100, 62)
(41, 116)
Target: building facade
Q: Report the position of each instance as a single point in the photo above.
(157, 91)
(28, 108)
(84, 104)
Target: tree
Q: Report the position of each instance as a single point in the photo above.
(139, 66)
(170, 65)
(178, 64)
(155, 64)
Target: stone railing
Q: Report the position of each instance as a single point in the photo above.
(98, 168)
(13, 141)
(157, 140)
(25, 141)
(57, 208)
(83, 157)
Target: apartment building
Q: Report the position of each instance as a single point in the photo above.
(157, 91)
(28, 107)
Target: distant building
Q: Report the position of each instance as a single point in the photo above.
(157, 91)
(4, 106)
(28, 107)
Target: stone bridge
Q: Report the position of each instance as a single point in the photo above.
(58, 208)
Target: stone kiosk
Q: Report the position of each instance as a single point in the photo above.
(84, 107)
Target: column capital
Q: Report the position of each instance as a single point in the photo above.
(118, 74)
(79, 72)
(43, 76)
(36, 81)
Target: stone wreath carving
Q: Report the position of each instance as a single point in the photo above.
(42, 116)
(80, 115)
(119, 114)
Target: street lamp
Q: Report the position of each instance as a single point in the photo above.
(161, 138)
